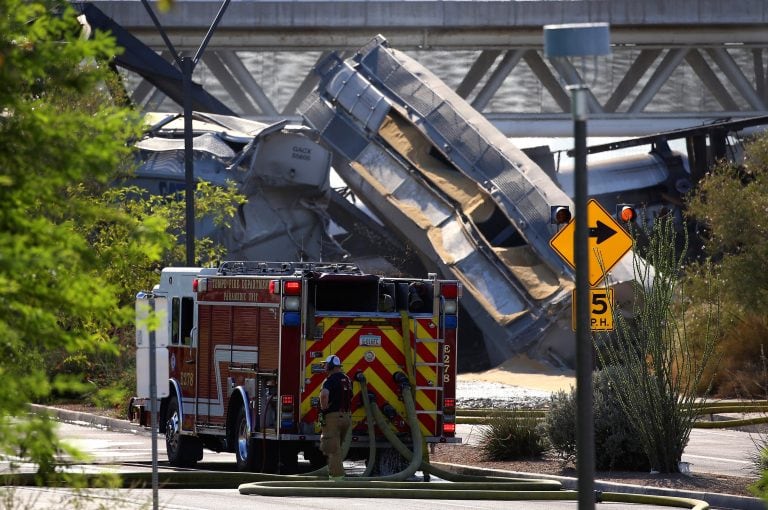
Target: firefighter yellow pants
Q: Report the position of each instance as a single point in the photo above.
(334, 430)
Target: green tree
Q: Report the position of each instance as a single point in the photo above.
(729, 207)
(57, 128)
(126, 260)
(116, 239)
(731, 204)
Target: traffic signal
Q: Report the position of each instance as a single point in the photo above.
(626, 213)
(559, 214)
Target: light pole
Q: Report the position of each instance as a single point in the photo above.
(187, 67)
(561, 42)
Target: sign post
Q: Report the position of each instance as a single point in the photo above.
(561, 42)
(153, 408)
(151, 353)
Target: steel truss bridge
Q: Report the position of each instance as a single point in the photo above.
(674, 63)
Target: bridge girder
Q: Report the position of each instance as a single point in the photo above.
(663, 73)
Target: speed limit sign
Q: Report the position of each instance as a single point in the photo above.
(600, 309)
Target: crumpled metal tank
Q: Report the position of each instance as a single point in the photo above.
(281, 170)
(475, 206)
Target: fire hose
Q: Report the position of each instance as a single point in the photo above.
(316, 483)
(463, 487)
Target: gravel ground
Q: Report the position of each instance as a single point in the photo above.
(482, 394)
(467, 455)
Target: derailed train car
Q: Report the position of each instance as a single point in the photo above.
(436, 171)
(281, 170)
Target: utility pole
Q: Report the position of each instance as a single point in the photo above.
(187, 67)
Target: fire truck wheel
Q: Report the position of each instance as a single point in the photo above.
(182, 450)
(247, 451)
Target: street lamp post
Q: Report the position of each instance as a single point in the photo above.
(187, 67)
(563, 41)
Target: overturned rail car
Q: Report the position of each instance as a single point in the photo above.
(475, 206)
(282, 172)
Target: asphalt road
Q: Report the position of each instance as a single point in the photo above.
(721, 451)
(724, 451)
(192, 499)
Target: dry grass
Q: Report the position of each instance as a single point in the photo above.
(741, 371)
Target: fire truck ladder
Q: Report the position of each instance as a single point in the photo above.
(412, 364)
(248, 267)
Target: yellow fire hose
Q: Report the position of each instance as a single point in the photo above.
(371, 426)
(463, 487)
(351, 484)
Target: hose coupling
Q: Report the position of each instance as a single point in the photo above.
(402, 380)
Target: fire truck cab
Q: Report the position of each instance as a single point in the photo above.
(246, 345)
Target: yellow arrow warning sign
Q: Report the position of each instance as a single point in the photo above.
(607, 241)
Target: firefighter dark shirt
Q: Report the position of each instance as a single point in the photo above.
(339, 392)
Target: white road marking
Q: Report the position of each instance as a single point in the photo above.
(719, 459)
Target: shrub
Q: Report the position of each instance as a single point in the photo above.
(511, 436)
(560, 424)
(112, 397)
(760, 463)
(616, 446)
(759, 456)
(662, 366)
(740, 372)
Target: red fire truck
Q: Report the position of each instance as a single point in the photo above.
(246, 345)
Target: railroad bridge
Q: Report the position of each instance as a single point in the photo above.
(674, 63)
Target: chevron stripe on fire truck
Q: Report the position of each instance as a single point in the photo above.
(341, 336)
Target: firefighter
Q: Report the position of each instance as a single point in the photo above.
(335, 407)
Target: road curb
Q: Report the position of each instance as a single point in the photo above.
(715, 500)
(90, 420)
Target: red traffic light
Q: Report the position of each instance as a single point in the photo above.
(626, 213)
(559, 214)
